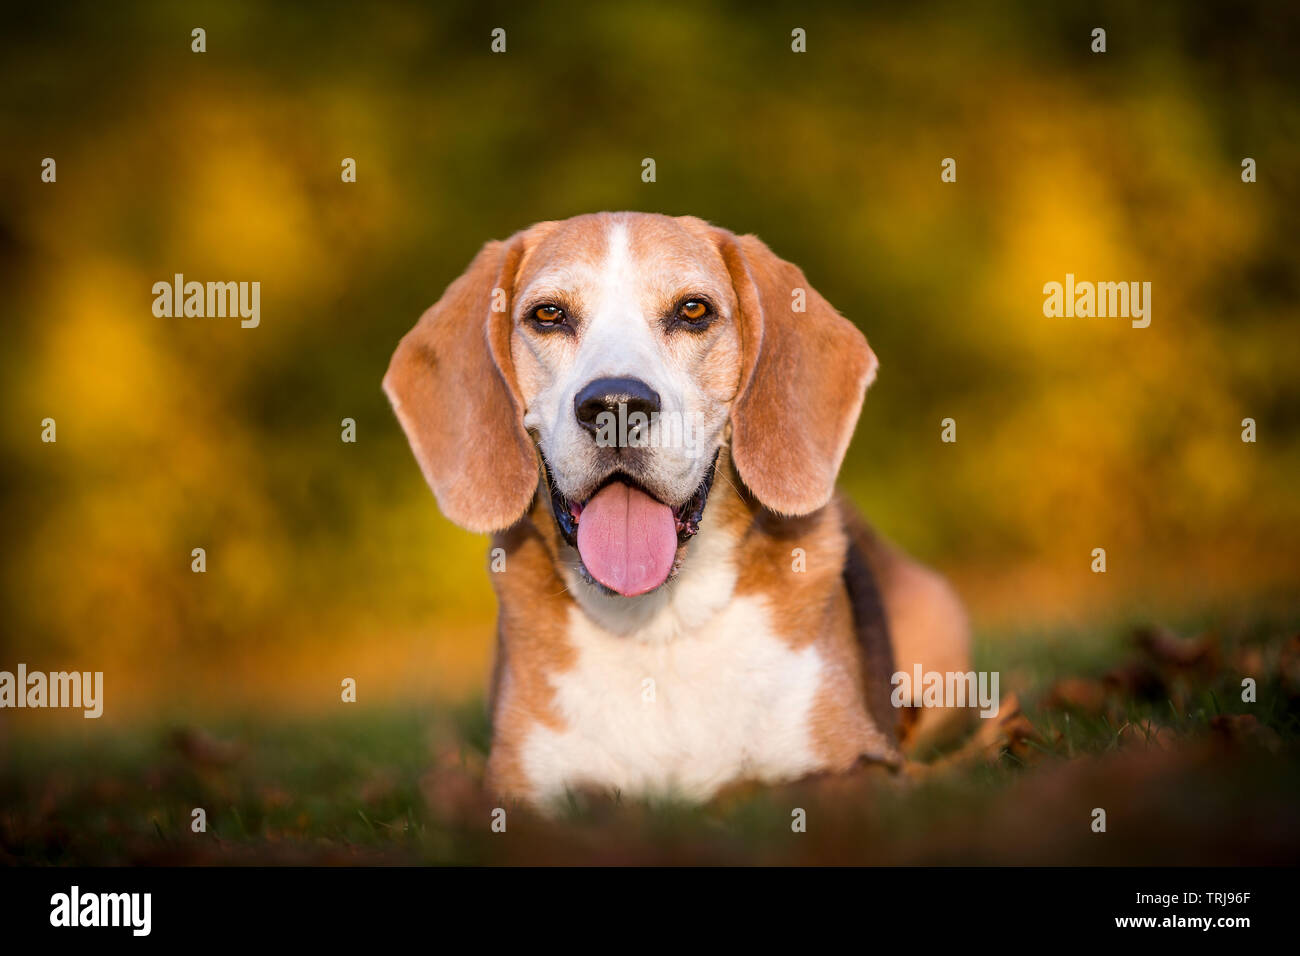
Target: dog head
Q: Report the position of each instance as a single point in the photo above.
(605, 360)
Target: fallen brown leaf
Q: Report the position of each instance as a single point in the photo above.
(1079, 694)
(200, 747)
(1164, 647)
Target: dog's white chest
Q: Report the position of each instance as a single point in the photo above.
(726, 702)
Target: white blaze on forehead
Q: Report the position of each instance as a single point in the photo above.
(619, 335)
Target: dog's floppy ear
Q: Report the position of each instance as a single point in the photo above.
(804, 371)
(452, 385)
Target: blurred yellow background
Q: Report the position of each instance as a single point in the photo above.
(328, 559)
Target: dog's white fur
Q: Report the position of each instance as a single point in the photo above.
(683, 718)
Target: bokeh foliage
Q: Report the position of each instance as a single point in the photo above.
(327, 558)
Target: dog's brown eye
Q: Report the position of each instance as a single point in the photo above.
(693, 311)
(548, 314)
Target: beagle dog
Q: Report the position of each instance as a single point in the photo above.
(648, 413)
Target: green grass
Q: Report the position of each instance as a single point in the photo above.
(1186, 771)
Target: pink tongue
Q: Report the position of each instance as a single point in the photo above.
(627, 539)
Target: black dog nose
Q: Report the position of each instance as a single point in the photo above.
(607, 394)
